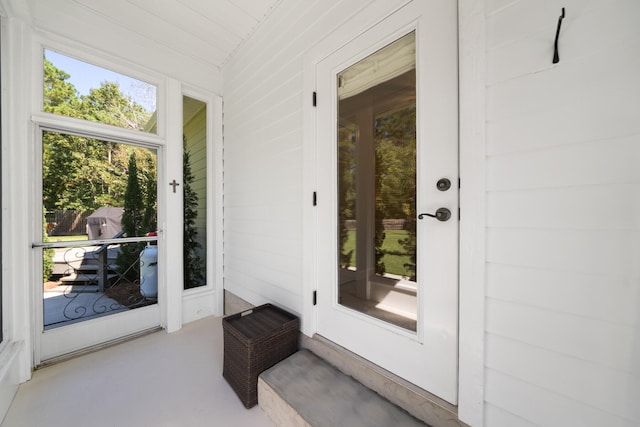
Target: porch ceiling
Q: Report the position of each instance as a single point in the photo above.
(209, 30)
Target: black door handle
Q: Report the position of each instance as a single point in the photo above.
(442, 214)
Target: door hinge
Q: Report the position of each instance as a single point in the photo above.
(315, 198)
(315, 99)
(458, 214)
(315, 297)
(459, 183)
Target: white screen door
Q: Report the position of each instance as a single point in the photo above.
(100, 268)
(387, 161)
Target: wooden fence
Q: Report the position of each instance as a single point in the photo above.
(66, 222)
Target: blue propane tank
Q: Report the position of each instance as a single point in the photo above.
(149, 272)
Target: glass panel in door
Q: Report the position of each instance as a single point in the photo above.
(377, 185)
(99, 253)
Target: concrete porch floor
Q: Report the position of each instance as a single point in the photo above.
(157, 380)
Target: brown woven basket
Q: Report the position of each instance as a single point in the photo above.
(254, 341)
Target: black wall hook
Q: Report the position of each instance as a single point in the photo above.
(556, 57)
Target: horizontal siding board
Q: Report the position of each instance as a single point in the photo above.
(265, 264)
(591, 207)
(262, 117)
(498, 417)
(246, 195)
(605, 298)
(604, 343)
(581, 37)
(508, 25)
(277, 245)
(275, 281)
(259, 290)
(286, 77)
(272, 146)
(590, 384)
(268, 41)
(282, 211)
(601, 252)
(584, 120)
(286, 38)
(542, 406)
(584, 78)
(607, 161)
(274, 229)
(263, 183)
(255, 200)
(276, 127)
(505, 23)
(495, 6)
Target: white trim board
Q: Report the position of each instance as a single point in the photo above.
(472, 77)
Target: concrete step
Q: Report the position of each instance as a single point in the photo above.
(93, 268)
(84, 278)
(423, 405)
(304, 390)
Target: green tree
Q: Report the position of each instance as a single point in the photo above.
(60, 96)
(108, 105)
(83, 173)
(149, 217)
(193, 265)
(395, 136)
(346, 191)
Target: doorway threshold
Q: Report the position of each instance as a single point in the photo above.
(97, 347)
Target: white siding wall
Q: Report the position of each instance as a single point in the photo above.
(263, 150)
(563, 200)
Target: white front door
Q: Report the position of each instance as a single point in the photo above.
(387, 162)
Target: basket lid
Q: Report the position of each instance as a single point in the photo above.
(259, 321)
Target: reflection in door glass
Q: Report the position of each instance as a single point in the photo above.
(92, 191)
(377, 184)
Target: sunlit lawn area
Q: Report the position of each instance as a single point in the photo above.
(67, 238)
(395, 256)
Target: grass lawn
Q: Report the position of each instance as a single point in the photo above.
(67, 238)
(395, 256)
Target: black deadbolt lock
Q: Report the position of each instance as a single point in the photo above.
(443, 184)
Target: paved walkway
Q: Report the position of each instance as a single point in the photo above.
(62, 307)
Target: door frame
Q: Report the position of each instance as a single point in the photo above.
(472, 154)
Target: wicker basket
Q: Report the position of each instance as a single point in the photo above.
(254, 341)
